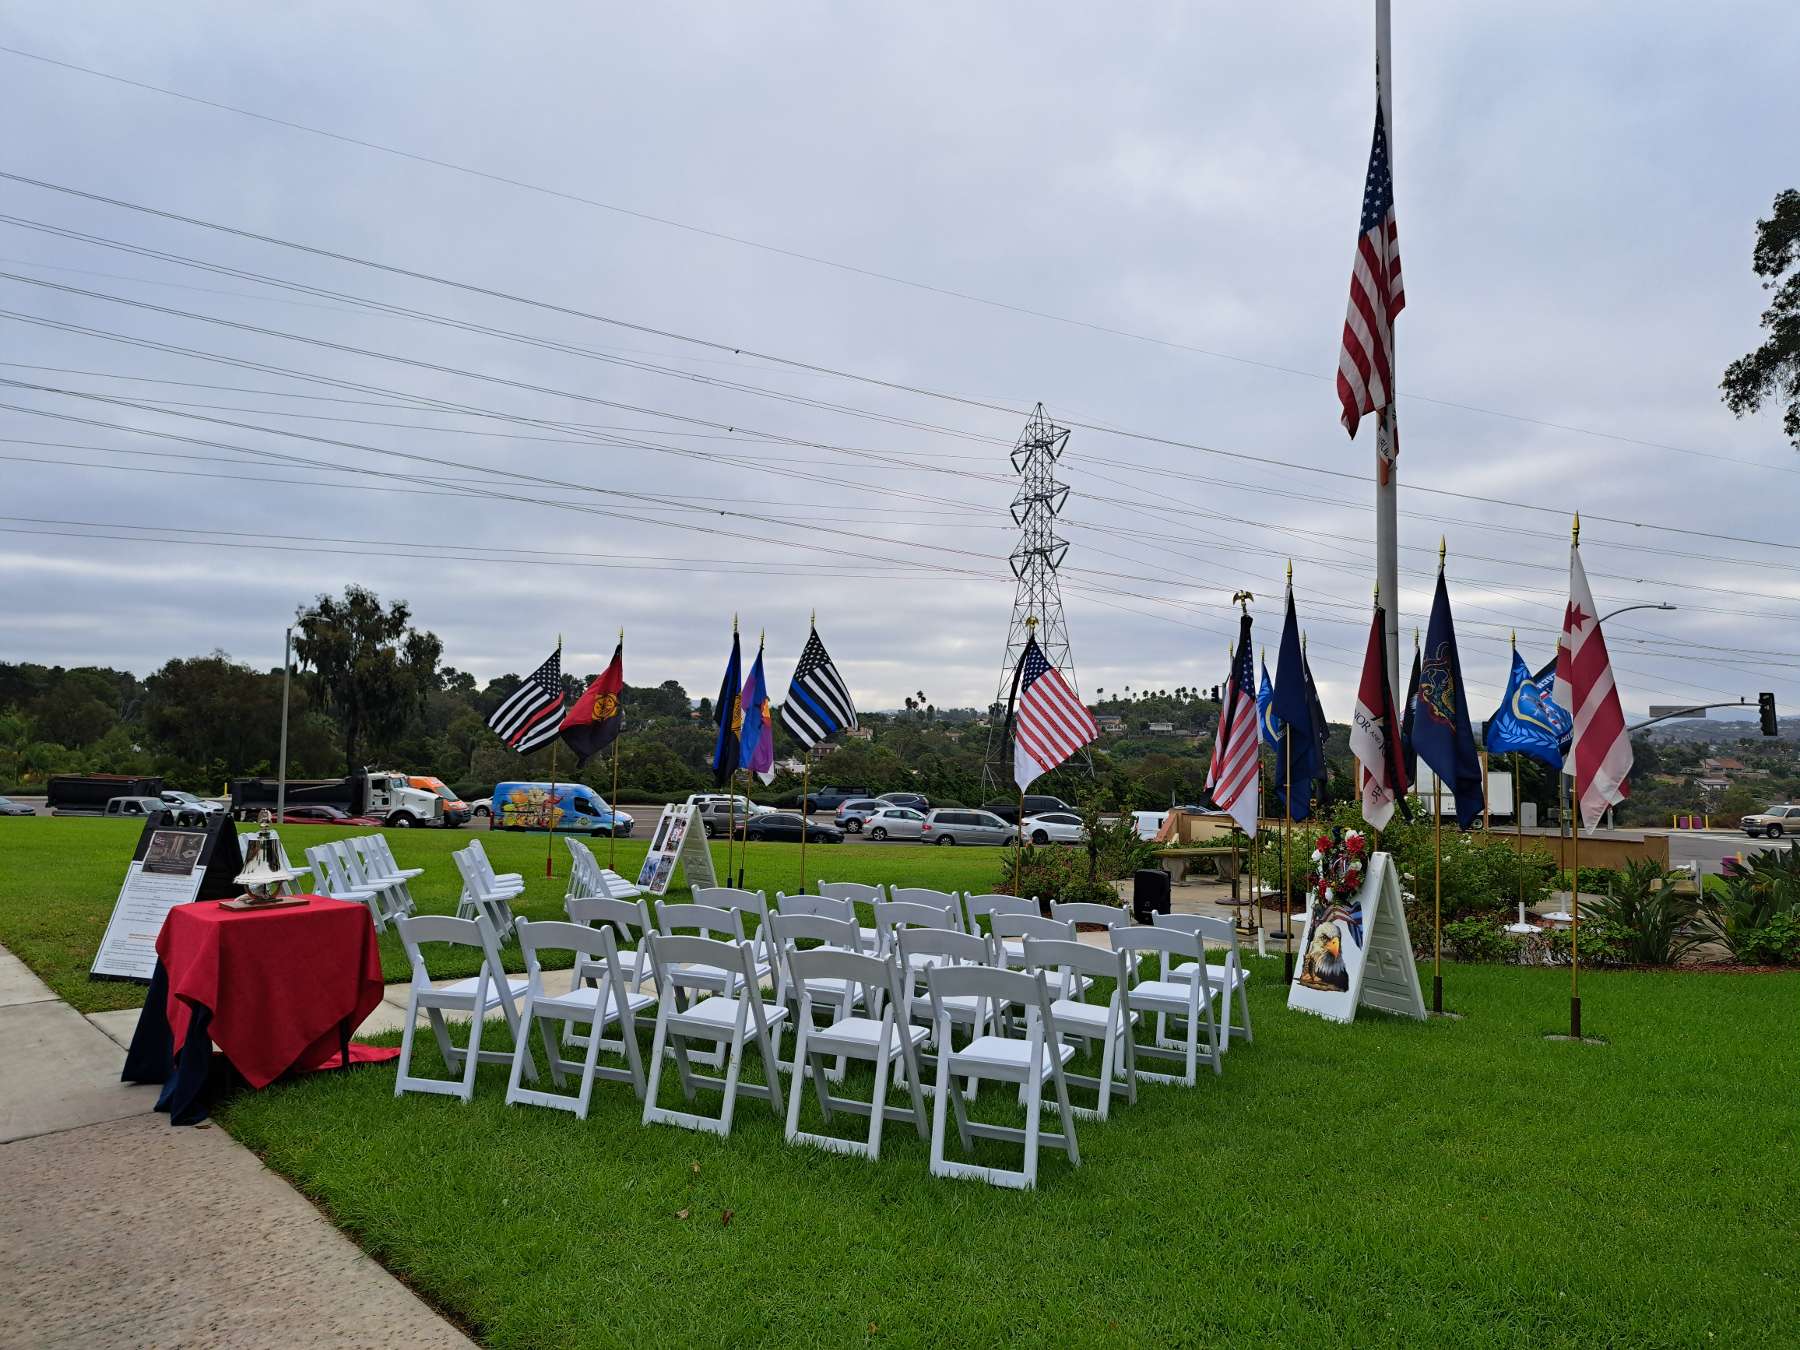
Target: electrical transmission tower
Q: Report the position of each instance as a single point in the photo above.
(1037, 598)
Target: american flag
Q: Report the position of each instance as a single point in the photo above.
(1365, 379)
(818, 701)
(1049, 722)
(528, 718)
(1235, 776)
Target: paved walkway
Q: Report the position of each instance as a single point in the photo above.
(118, 1230)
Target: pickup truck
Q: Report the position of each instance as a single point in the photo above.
(138, 808)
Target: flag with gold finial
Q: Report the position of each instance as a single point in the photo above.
(730, 713)
(756, 743)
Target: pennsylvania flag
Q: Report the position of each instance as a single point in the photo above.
(1292, 705)
(730, 711)
(593, 723)
(1442, 735)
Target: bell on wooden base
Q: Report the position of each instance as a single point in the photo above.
(263, 875)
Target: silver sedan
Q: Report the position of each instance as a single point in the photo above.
(893, 822)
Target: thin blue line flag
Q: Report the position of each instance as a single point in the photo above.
(1265, 712)
(1528, 721)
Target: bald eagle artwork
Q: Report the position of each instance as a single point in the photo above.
(1323, 966)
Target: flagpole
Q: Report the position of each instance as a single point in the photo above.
(805, 820)
(1019, 843)
(1575, 868)
(612, 837)
(744, 843)
(1519, 832)
(1387, 465)
(1287, 862)
(1437, 893)
(550, 801)
(1487, 807)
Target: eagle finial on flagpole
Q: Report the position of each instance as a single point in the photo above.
(1244, 599)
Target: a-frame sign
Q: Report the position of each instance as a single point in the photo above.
(1357, 952)
(172, 865)
(679, 838)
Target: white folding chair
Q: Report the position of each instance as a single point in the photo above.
(719, 925)
(1190, 1002)
(392, 898)
(584, 872)
(481, 898)
(611, 999)
(750, 905)
(1027, 1060)
(856, 893)
(477, 996)
(1069, 963)
(986, 906)
(883, 1034)
(826, 907)
(724, 1020)
(925, 895)
(918, 950)
(378, 847)
(1086, 911)
(329, 881)
(1230, 976)
(628, 921)
(1011, 930)
(893, 917)
(790, 929)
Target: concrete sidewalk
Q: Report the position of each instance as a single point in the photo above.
(117, 1229)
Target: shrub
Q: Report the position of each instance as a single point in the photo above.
(1754, 912)
(1594, 880)
(1475, 939)
(1603, 943)
(1053, 873)
(1656, 923)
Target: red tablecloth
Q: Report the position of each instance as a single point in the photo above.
(279, 983)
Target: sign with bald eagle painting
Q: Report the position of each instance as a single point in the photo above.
(1355, 951)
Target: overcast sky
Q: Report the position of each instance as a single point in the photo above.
(1576, 190)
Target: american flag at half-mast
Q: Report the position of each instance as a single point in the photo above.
(1365, 381)
(528, 718)
(1600, 756)
(1235, 777)
(818, 701)
(1048, 722)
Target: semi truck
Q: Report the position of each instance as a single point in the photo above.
(385, 794)
(86, 794)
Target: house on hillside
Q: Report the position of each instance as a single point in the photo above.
(860, 734)
(1110, 724)
(1161, 728)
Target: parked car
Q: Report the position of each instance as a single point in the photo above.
(894, 822)
(785, 826)
(139, 807)
(180, 801)
(1007, 808)
(852, 814)
(8, 807)
(564, 806)
(1056, 827)
(961, 826)
(830, 798)
(720, 813)
(318, 813)
(744, 805)
(1773, 821)
(916, 801)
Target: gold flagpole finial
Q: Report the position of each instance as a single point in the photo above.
(1303, 644)
(1378, 595)
(815, 619)
(761, 633)
(1243, 598)
(1290, 571)
(1415, 639)
(1031, 623)
(621, 636)
(1575, 534)
(1442, 549)
(734, 624)
(1515, 639)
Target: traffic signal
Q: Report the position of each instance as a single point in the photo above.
(1765, 704)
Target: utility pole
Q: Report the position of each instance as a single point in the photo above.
(287, 675)
(1037, 598)
(1387, 432)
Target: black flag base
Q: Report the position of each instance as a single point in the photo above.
(1437, 994)
(1574, 1019)
(1287, 967)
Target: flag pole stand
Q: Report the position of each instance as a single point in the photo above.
(1019, 842)
(744, 843)
(805, 819)
(1519, 831)
(550, 815)
(1287, 863)
(1437, 894)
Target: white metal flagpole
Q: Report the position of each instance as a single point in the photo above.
(287, 673)
(1387, 476)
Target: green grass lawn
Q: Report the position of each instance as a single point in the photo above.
(59, 877)
(1388, 1182)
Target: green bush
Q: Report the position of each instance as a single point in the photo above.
(1594, 880)
(1476, 939)
(1656, 923)
(1053, 873)
(1603, 943)
(1755, 911)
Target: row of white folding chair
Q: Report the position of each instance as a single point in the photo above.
(485, 894)
(967, 907)
(332, 878)
(370, 862)
(587, 877)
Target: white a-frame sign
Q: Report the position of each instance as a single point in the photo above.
(679, 838)
(1357, 952)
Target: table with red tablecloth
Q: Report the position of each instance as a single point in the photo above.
(276, 990)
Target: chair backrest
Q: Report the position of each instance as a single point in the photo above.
(1032, 926)
(628, 919)
(892, 916)
(854, 891)
(875, 975)
(825, 906)
(1208, 929)
(1064, 959)
(993, 988)
(1164, 942)
(791, 929)
(584, 872)
(751, 904)
(470, 871)
(422, 928)
(483, 868)
(682, 961)
(355, 868)
(673, 919)
(946, 944)
(378, 843)
(924, 895)
(1086, 911)
(986, 906)
(593, 947)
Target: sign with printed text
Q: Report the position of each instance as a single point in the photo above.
(1356, 951)
(170, 866)
(679, 838)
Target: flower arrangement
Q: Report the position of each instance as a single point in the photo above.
(1340, 864)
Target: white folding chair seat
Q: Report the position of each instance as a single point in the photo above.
(1067, 962)
(476, 996)
(611, 1001)
(616, 886)
(1229, 976)
(1028, 1060)
(1191, 1002)
(722, 1020)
